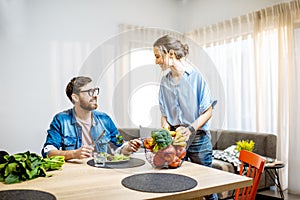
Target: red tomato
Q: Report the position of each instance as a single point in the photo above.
(175, 163)
(158, 161)
(169, 153)
(180, 152)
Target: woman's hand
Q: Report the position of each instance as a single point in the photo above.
(166, 126)
(164, 123)
(185, 131)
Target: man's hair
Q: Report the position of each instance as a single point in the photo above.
(76, 84)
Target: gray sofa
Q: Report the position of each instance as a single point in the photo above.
(265, 145)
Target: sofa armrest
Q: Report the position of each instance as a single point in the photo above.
(129, 133)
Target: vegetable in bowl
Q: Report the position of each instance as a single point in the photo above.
(161, 138)
(165, 149)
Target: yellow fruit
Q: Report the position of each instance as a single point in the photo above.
(181, 139)
(177, 136)
(173, 133)
(183, 144)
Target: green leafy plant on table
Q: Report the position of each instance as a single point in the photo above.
(26, 166)
(245, 145)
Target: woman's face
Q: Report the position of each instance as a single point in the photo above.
(161, 59)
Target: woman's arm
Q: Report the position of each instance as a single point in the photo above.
(202, 119)
(198, 123)
(164, 123)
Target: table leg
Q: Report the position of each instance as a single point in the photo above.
(273, 173)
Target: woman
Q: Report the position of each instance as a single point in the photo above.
(184, 99)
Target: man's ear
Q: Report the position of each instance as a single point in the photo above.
(171, 53)
(75, 98)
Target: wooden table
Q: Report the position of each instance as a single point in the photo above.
(78, 180)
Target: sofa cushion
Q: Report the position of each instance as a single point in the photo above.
(230, 155)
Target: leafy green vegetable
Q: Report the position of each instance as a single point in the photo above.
(115, 157)
(118, 157)
(119, 139)
(53, 163)
(162, 139)
(26, 166)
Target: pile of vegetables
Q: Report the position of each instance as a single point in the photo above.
(161, 138)
(26, 166)
(167, 147)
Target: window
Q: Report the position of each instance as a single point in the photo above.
(143, 105)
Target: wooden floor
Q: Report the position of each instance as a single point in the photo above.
(273, 194)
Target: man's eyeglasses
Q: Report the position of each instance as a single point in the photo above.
(92, 91)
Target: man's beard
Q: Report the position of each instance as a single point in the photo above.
(89, 106)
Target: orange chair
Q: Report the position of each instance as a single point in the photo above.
(252, 166)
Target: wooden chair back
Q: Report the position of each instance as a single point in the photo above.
(252, 165)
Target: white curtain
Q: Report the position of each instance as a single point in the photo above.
(294, 147)
(255, 56)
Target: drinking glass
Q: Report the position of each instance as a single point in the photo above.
(99, 159)
(100, 154)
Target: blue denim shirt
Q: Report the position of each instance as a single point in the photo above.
(65, 133)
(185, 101)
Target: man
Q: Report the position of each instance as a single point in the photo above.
(72, 132)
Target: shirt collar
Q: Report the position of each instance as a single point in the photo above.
(188, 70)
(74, 120)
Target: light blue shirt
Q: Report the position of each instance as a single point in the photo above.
(184, 102)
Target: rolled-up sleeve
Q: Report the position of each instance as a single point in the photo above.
(54, 137)
(205, 99)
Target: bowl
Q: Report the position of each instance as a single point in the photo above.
(165, 149)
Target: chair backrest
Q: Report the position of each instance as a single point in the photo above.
(252, 165)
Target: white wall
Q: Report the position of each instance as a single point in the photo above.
(38, 39)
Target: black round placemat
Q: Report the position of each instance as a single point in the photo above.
(25, 195)
(133, 162)
(159, 182)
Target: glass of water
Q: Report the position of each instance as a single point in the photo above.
(100, 154)
(99, 159)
